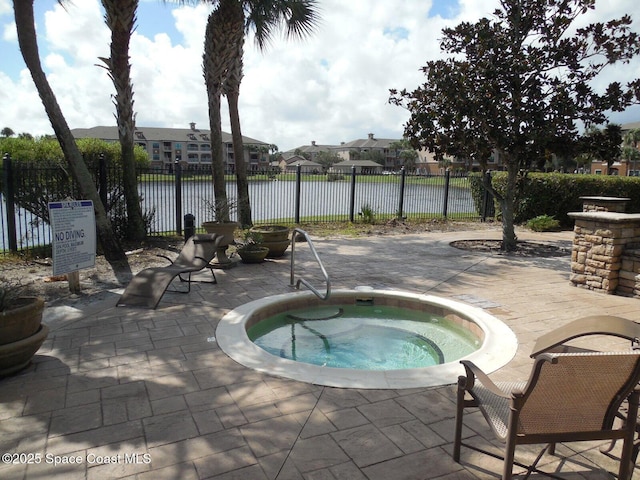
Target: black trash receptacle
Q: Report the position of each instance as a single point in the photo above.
(189, 226)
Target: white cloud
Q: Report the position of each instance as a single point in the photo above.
(330, 87)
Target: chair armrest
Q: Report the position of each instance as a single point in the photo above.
(592, 325)
(473, 373)
(165, 257)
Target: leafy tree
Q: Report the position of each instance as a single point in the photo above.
(406, 152)
(327, 159)
(630, 151)
(120, 17)
(7, 132)
(373, 155)
(602, 145)
(50, 180)
(516, 84)
(300, 153)
(27, 40)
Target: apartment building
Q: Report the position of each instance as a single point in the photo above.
(189, 146)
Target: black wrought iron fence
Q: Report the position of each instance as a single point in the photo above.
(168, 194)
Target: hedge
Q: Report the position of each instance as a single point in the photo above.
(557, 194)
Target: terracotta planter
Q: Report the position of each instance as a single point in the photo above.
(253, 255)
(272, 233)
(275, 237)
(226, 229)
(22, 320)
(21, 334)
(17, 355)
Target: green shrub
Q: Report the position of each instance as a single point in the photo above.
(367, 214)
(479, 197)
(557, 194)
(544, 223)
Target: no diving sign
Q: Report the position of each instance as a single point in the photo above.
(73, 228)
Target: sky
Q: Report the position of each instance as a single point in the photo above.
(331, 87)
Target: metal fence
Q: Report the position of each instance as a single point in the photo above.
(167, 195)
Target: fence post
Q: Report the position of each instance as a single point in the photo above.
(445, 206)
(352, 194)
(298, 183)
(403, 174)
(102, 180)
(10, 200)
(178, 180)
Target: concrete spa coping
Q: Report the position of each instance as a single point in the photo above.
(498, 347)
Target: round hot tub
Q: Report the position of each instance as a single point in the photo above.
(364, 338)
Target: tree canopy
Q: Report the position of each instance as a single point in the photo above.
(519, 84)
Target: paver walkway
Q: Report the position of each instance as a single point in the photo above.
(138, 394)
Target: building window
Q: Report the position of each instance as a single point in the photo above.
(178, 146)
(192, 158)
(156, 144)
(156, 157)
(192, 146)
(205, 146)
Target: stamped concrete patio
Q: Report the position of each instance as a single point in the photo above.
(138, 394)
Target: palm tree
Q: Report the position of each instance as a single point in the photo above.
(300, 18)
(120, 17)
(630, 151)
(216, 61)
(27, 40)
(224, 43)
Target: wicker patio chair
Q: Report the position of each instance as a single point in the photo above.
(568, 397)
(148, 286)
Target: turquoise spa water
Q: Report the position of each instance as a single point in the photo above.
(365, 337)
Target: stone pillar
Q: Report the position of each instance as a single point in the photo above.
(629, 282)
(599, 241)
(604, 204)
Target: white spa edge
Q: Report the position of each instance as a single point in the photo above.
(499, 347)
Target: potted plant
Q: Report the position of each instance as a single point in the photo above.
(251, 250)
(21, 329)
(275, 237)
(224, 228)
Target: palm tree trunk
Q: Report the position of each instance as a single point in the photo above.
(242, 182)
(120, 17)
(232, 82)
(214, 66)
(25, 27)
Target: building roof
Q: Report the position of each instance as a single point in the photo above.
(313, 148)
(630, 126)
(304, 163)
(370, 142)
(159, 134)
(358, 163)
(293, 159)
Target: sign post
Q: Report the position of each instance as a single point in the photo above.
(73, 227)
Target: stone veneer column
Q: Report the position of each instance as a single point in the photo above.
(598, 243)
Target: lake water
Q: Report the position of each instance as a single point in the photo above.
(273, 200)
